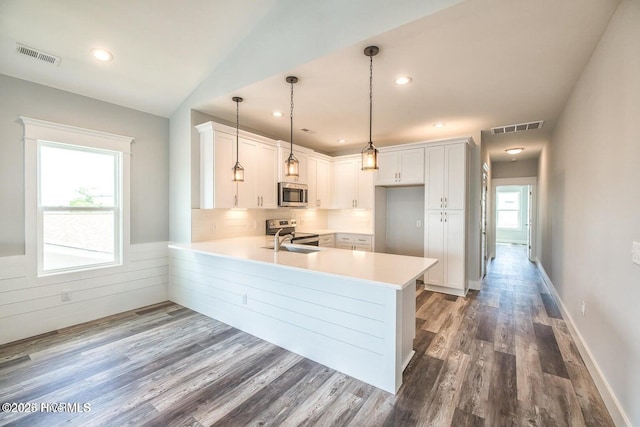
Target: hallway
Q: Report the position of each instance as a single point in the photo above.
(502, 357)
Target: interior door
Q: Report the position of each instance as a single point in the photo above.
(530, 217)
(483, 226)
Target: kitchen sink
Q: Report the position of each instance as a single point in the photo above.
(296, 249)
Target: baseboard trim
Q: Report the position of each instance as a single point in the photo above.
(445, 290)
(613, 405)
(476, 285)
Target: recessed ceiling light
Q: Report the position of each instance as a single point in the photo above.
(438, 125)
(102, 54)
(514, 150)
(341, 141)
(277, 114)
(403, 80)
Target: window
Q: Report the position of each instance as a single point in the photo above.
(76, 197)
(78, 207)
(508, 209)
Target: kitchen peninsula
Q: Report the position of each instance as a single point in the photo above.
(352, 311)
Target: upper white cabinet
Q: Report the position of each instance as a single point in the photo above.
(217, 157)
(302, 158)
(319, 182)
(400, 167)
(353, 188)
(446, 177)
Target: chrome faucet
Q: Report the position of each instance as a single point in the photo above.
(277, 242)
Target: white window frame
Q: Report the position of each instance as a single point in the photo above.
(518, 210)
(40, 132)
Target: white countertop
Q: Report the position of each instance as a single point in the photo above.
(396, 271)
(331, 231)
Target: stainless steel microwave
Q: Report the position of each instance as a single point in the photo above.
(292, 195)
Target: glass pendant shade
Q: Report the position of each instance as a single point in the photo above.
(238, 172)
(369, 157)
(292, 166)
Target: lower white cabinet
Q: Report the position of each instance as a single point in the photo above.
(444, 240)
(358, 242)
(327, 241)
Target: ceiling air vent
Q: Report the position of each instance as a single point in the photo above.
(37, 54)
(517, 127)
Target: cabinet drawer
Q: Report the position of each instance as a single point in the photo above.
(344, 238)
(327, 241)
(362, 240)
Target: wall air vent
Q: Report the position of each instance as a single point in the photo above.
(517, 127)
(37, 54)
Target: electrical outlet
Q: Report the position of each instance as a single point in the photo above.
(244, 298)
(635, 253)
(583, 306)
(418, 223)
(66, 295)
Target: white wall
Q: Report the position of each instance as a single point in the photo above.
(519, 169)
(593, 205)
(149, 160)
(29, 306)
(405, 206)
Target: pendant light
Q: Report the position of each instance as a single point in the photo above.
(291, 165)
(238, 170)
(370, 153)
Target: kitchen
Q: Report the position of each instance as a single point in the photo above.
(166, 150)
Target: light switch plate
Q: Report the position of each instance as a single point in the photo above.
(635, 253)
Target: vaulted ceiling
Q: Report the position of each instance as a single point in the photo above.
(474, 65)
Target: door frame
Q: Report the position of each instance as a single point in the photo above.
(532, 181)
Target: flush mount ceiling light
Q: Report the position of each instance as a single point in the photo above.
(403, 80)
(101, 54)
(341, 141)
(370, 153)
(514, 150)
(277, 114)
(292, 166)
(238, 170)
(438, 125)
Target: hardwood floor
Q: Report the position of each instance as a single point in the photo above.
(499, 357)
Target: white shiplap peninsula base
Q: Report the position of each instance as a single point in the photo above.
(351, 311)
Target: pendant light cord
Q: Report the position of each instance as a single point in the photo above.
(237, 128)
(370, 96)
(291, 116)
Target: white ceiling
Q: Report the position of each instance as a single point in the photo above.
(475, 65)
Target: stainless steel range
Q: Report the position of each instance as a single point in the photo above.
(288, 226)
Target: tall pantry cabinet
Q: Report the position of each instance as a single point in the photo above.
(446, 216)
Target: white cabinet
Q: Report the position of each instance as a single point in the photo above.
(444, 240)
(358, 242)
(353, 188)
(266, 196)
(401, 167)
(446, 177)
(285, 150)
(445, 216)
(319, 182)
(327, 241)
(217, 157)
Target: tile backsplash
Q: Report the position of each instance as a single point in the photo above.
(213, 224)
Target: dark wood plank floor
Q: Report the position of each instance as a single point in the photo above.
(500, 357)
